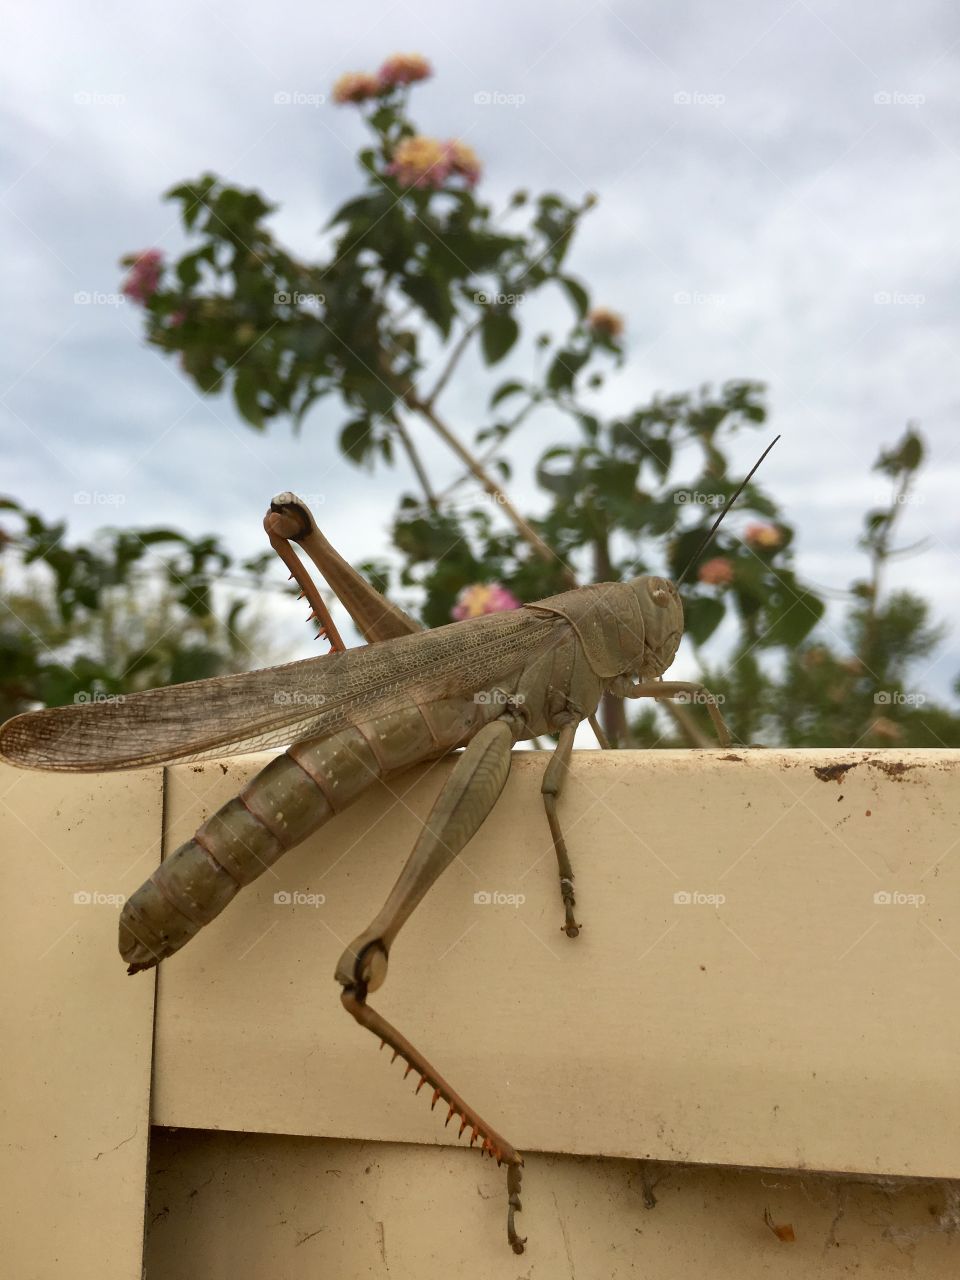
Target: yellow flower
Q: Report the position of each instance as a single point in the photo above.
(356, 86)
(420, 162)
(605, 323)
(463, 160)
(766, 536)
(404, 68)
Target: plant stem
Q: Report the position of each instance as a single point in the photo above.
(426, 410)
(417, 463)
(452, 363)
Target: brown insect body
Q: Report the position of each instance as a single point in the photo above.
(360, 715)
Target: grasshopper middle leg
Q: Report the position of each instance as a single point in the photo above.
(553, 780)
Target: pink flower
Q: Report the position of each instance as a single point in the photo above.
(356, 86)
(764, 536)
(427, 162)
(716, 572)
(480, 598)
(463, 160)
(143, 278)
(420, 162)
(404, 68)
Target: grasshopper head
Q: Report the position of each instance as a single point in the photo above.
(662, 613)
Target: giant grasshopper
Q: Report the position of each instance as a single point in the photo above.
(358, 715)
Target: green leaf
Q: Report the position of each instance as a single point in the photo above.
(245, 398)
(189, 271)
(701, 617)
(565, 367)
(504, 390)
(367, 207)
(357, 441)
(433, 299)
(660, 454)
(577, 295)
(794, 620)
(498, 332)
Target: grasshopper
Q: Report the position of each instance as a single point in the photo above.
(358, 715)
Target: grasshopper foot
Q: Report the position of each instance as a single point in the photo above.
(570, 926)
(514, 1175)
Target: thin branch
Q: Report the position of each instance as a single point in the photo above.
(490, 485)
(417, 463)
(491, 452)
(452, 363)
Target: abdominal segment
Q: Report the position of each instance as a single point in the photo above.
(287, 801)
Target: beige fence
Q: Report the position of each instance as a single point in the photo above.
(766, 979)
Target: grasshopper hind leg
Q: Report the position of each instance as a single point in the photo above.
(470, 792)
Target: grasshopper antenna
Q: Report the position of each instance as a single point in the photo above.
(729, 503)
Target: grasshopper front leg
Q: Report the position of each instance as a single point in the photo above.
(467, 798)
(622, 687)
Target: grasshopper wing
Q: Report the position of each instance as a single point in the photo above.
(227, 715)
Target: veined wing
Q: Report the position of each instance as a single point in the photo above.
(273, 707)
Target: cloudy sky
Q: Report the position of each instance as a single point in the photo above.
(791, 169)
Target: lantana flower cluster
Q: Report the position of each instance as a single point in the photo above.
(606, 323)
(400, 68)
(764, 537)
(143, 279)
(481, 598)
(717, 572)
(427, 162)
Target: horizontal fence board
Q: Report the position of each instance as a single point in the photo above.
(240, 1207)
(739, 994)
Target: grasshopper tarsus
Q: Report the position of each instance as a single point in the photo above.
(514, 1178)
